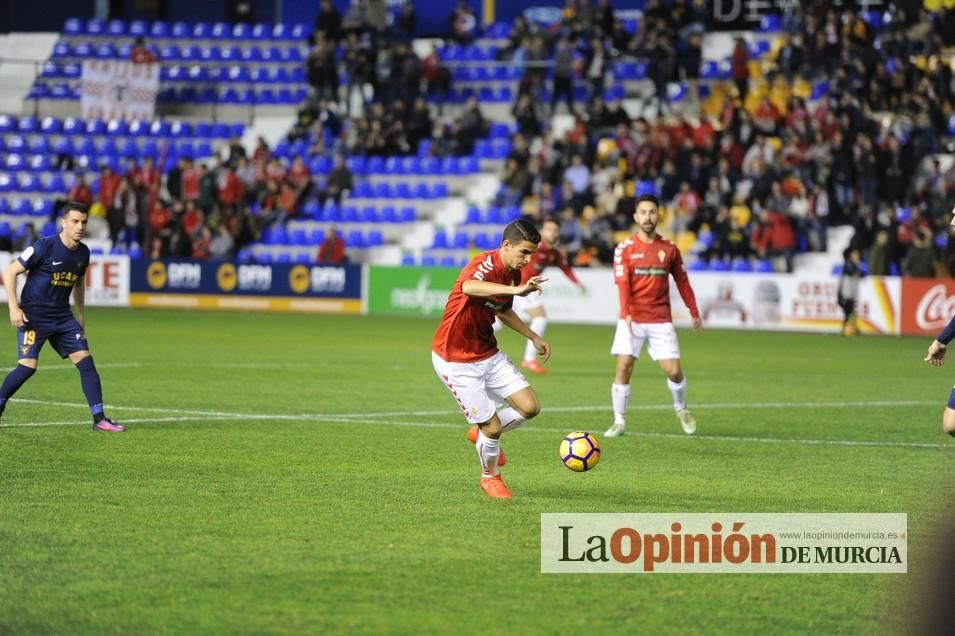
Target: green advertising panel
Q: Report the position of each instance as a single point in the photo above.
(410, 291)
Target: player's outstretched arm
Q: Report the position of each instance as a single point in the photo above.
(514, 321)
(485, 289)
(14, 269)
(936, 354)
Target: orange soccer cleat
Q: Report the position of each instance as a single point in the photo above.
(533, 366)
(495, 487)
(472, 437)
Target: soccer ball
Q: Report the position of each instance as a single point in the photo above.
(579, 451)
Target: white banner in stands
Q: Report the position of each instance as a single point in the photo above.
(111, 89)
(780, 302)
(107, 280)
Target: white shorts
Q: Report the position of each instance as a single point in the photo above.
(479, 387)
(660, 336)
(523, 303)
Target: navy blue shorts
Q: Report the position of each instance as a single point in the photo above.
(65, 336)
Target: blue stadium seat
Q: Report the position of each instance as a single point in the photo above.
(473, 216)
(264, 257)
(28, 125)
(41, 163)
(261, 31)
(43, 209)
(105, 51)
(220, 31)
(383, 190)
(407, 260)
(28, 184)
(159, 29)
(241, 32)
(428, 260)
(742, 265)
(138, 28)
(95, 27)
(40, 145)
(407, 214)
(368, 214)
(719, 266)
(21, 207)
(375, 238)
(764, 266)
(82, 50)
(170, 53)
(72, 26)
(16, 143)
(55, 184)
(51, 126)
(461, 240)
(440, 240)
(116, 28)
(389, 214)
(333, 213)
(317, 236)
(7, 184)
(355, 240)
(448, 261)
(15, 162)
(201, 31)
(7, 123)
(482, 241)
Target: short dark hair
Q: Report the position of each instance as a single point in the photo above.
(648, 197)
(521, 230)
(75, 206)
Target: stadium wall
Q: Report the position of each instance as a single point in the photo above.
(778, 302)
(229, 286)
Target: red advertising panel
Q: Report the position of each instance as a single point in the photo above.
(927, 305)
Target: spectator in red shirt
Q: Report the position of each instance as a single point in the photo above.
(190, 181)
(141, 54)
(231, 189)
(774, 236)
(332, 249)
(80, 191)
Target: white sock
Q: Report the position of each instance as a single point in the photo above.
(497, 326)
(488, 451)
(510, 419)
(678, 390)
(538, 325)
(620, 393)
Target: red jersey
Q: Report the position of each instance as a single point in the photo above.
(544, 257)
(190, 184)
(466, 331)
(642, 272)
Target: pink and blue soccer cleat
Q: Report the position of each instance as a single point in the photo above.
(109, 426)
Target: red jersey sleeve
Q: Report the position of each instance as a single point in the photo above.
(561, 262)
(678, 271)
(621, 276)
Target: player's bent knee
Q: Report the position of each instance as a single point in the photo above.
(28, 362)
(492, 428)
(948, 422)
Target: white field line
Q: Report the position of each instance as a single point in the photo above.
(196, 416)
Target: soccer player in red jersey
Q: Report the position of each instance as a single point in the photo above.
(546, 255)
(465, 354)
(642, 268)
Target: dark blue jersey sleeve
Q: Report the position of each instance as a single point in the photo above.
(947, 333)
(33, 254)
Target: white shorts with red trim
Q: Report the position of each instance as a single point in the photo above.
(659, 336)
(479, 387)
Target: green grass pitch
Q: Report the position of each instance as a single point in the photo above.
(306, 474)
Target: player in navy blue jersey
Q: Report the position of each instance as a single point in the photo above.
(936, 357)
(56, 267)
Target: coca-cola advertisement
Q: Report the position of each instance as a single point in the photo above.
(927, 305)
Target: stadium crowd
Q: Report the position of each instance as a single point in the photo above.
(839, 123)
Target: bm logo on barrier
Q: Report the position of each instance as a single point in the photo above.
(227, 277)
(298, 279)
(156, 275)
